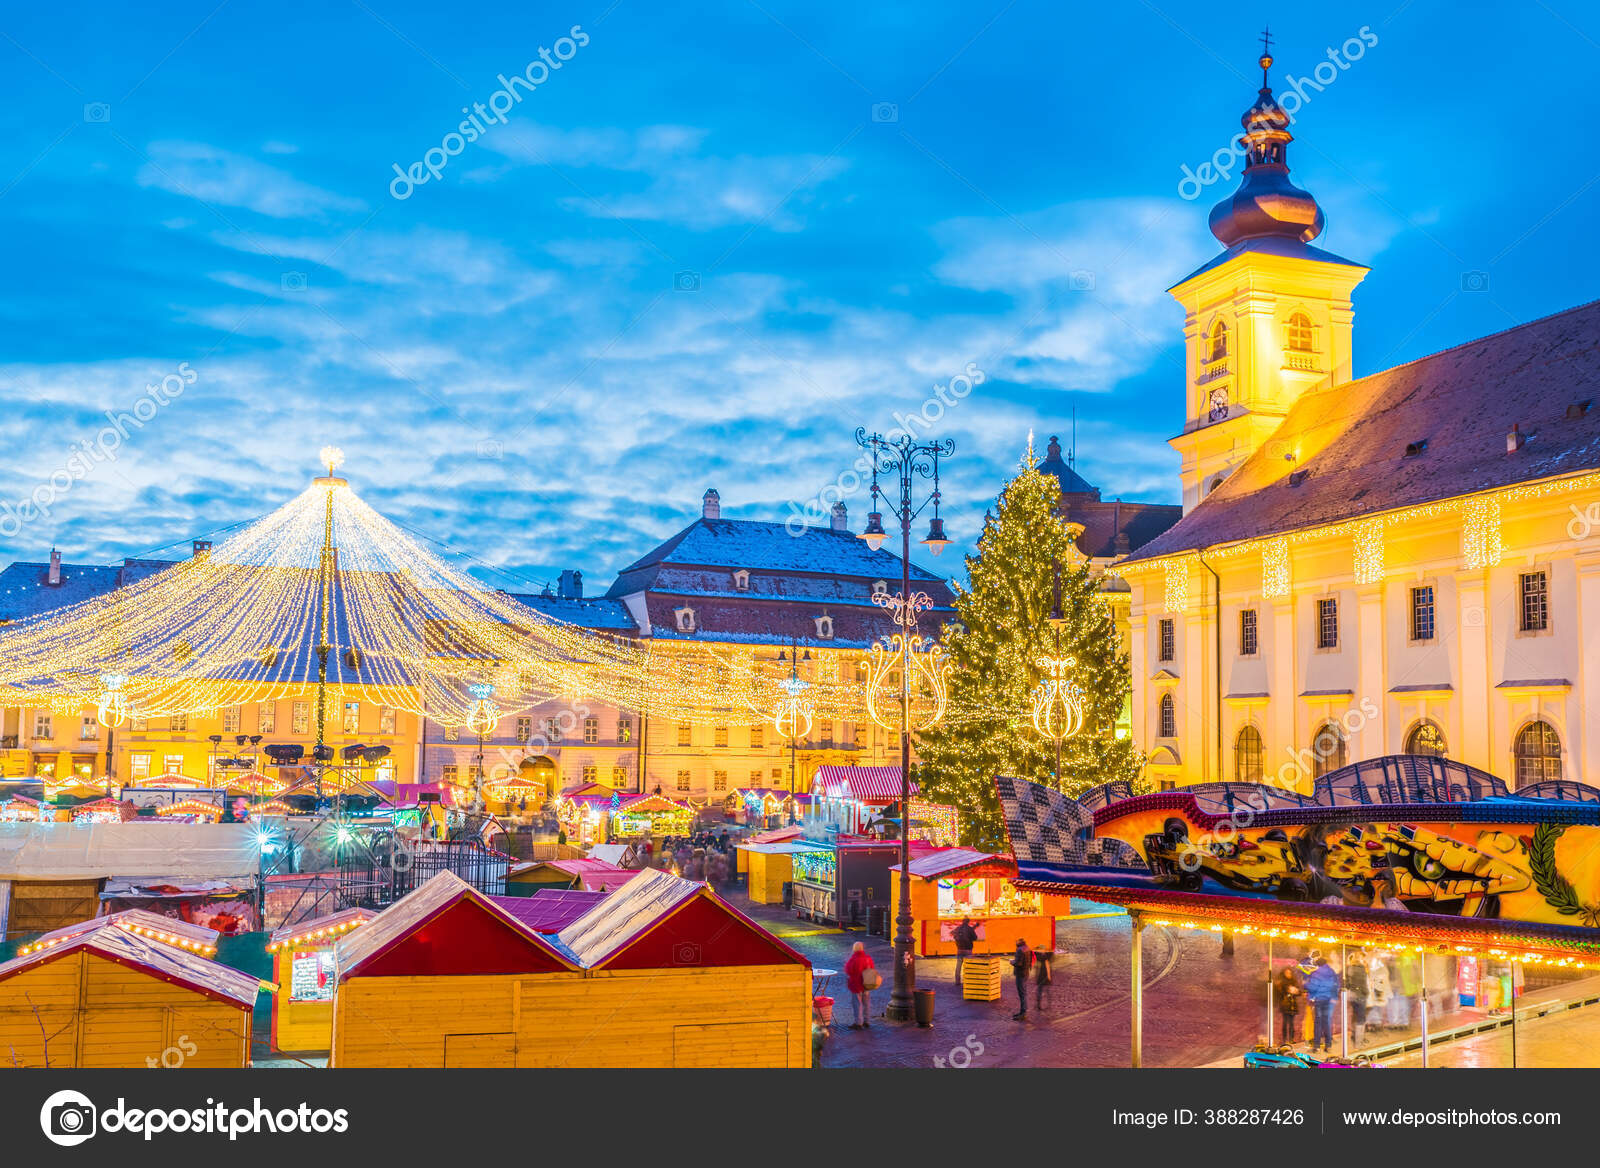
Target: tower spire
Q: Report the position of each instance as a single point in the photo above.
(1266, 56)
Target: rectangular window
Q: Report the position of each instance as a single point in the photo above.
(1422, 613)
(591, 774)
(624, 729)
(89, 730)
(683, 734)
(619, 776)
(755, 778)
(1535, 602)
(352, 717)
(139, 725)
(180, 723)
(719, 780)
(777, 775)
(683, 780)
(591, 730)
(140, 766)
(1328, 622)
(43, 727)
(758, 737)
(1168, 637)
(524, 730)
(232, 719)
(1247, 632)
(385, 719)
(300, 721)
(452, 734)
(552, 730)
(172, 764)
(449, 773)
(720, 737)
(267, 718)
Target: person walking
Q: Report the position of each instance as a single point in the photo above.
(861, 977)
(1043, 978)
(1021, 966)
(1355, 980)
(965, 937)
(1322, 989)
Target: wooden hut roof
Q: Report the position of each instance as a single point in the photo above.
(159, 960)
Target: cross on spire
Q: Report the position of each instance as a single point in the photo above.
(1266, 55)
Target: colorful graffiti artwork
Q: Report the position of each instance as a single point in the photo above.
(1411, 833)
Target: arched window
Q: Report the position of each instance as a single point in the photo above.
(1169, 717)
(1215, 483)
(1328, 751)
(1298, 335)
(1426, 738)
(1219, 341)
(1538, 753)
(1248, 756)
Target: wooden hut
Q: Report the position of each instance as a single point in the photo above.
(110, 997)
(302, 965)
(660, 973)
(590, 875)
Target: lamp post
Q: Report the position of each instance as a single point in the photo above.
(792, 714)
(907, 459)
(1057, 699)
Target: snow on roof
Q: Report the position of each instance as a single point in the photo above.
(154, 957)
(168, 930)
(324, 928)
(944, 861)
(625, 915)
(610, 853)
(757, 545)
(781, 847)
(180, 852)
(590, 612)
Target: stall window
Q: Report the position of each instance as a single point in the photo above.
(311, 976)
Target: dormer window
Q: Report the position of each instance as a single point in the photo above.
(1217, 346)
(741, 581)
(825, 627)
(1420, 446)
(352, 658)
(1298, 336)
(880, 588)
(685, 619)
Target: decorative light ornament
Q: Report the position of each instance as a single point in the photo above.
(917, 656)
(1177, 585)
(1275, 568)
(1057, 700)
(111, 709)
(332, 458)
(1369, 551)
(484, 715)
(793, 713)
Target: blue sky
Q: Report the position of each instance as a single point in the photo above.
(707, 247)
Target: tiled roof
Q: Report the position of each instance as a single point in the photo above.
(597, 612)
(1352, 437)
(1104, 522)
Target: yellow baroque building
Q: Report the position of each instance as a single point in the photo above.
(1408, 562)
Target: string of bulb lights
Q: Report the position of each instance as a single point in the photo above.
(243, 623)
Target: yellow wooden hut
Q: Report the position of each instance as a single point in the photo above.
(111, 997)
(302, 963)
(660, 973)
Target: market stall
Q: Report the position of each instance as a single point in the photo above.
(770, 866)
(584, 813)
(302, 964)
(841, 883)
(952, 884)
(528, 877)
(851, 797)
(651, 815)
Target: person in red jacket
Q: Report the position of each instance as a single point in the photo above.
(861, 977)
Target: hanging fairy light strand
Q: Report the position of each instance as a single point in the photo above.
(242, 624)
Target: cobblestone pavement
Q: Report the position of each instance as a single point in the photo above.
(1199, 1006)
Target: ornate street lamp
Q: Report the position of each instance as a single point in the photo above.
(482, 717)
(908, 460)
(1057, 699)
(792, 714)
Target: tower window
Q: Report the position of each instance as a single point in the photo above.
(1422, 613)
(1328, 623)
(1248, 756)
(1247, 632)
(1535, 592)
(1298, 335)
(1218, 348)
(1168, 639)
(1169, 717)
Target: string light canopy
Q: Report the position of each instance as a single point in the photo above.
(326, 595)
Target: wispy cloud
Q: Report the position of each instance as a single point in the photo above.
(225, 179)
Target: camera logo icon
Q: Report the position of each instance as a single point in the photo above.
(97, 113)
(491, 450)
(293, 282)
(686, 282)
(884, 112)
(68, 1118)
(1083, 280)
(686, 953)
(1474, 281)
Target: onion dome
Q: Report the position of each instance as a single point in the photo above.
(1266, 203)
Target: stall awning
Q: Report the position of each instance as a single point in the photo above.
(866, 784)
(946, 862)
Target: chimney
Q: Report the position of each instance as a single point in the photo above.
(711, 505)
(202, 548)
(1515, 438)
(571, 584)
(55, 567)
(841, 517)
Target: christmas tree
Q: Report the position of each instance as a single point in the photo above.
(1002, 628)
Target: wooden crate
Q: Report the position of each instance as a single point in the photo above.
(983, 979)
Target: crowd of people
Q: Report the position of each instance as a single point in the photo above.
(1381, 990)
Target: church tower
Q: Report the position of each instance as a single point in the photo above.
(1267, 319)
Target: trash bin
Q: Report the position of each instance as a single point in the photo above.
(922, 1006)
(822, 1004)
(875, 917)
(788, 894)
